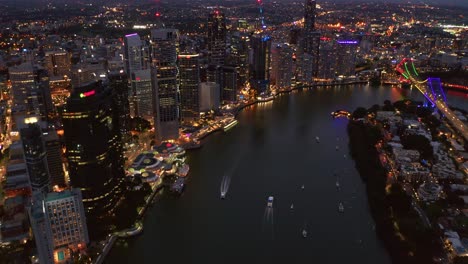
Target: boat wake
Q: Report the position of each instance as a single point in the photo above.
(268, 224)
(225, 185)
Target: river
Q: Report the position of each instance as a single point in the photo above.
(271, 152)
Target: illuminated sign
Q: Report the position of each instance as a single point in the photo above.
(86, 94)
(347, 41)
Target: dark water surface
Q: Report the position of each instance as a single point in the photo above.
(271, 152)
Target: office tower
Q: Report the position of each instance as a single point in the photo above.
(40, 226)
(22, 82)
(67, 222)
(57, 63)
(133, 53)
(15, 226)
(92, 148)
(143, 93)
(118, 83)
(213, 73)
(216, 37)
(308, 55)
(41, 97)
(35, 155)
(54, 157)
(189, 81)
(281, 65)
(17, 177)
(134, 61)
(260, 67)
(164, 48)
(240, 57)
(229, 83)
(346, 50)
(294, 36)
(327, 61)
(209, 96)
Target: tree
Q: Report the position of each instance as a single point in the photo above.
(360, 112)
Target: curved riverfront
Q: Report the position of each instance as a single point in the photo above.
(271, 152)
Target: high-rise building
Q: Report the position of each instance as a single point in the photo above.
(216, 37)
(189, 81)
(229, 83)
(164, 49)
(143, 93)
(54, 157)
(93, 148)
(118, 83)
(346, 50)
(327, 62)
(308, 55)
(281, 65)
(260, 63)
(239, 54)
(67, 223)
(40, 226)
(58, 63)
(209, 96)
(35, 155)
(133, 53)
(22, 83)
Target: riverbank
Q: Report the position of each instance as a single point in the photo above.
(397, 225)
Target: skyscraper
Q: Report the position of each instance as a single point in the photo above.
(346, 49)
(35, 155)
(22, 83)
(308, 55)
(189, 81)
(40, 226)
(54, 157)
(93, 149)
(134, 61)
(164, 48)
(67, 222)
(281, 65)
(118, 82)
(260, 63)
(216, 37)
(229, 83)
(143, 98)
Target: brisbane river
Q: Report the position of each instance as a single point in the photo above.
(271, 152)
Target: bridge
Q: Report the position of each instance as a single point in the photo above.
(432, 89)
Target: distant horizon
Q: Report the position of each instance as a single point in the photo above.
(443, 3)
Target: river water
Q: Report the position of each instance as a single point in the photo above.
(271, 152)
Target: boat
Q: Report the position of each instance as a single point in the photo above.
(344, 156)
(317, 139)
(270, 201)
(302, 187)
(337, 148)
(337, 184)
(304, 233)
(230, 125)
(292, 206)
(223, 195)
(341, 208)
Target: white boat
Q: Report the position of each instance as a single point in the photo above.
(270, 201)
(223, 195)
(317, 139)
(304, 233)
(344, 156)
(302, 187)
(337, 184)
(337, 148)
(292, 206)
(341, 208)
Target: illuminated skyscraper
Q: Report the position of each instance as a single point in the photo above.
(133, 53)
(93, 148)
(143, 99)
(346, 49)
(260, 63)
(281, 65)
(189, 81)
(118, 82)
(54, 157)
(308, 55)
(229, 83)
(217, 37)
(67, 223)
(164, 48)
(35, 156)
